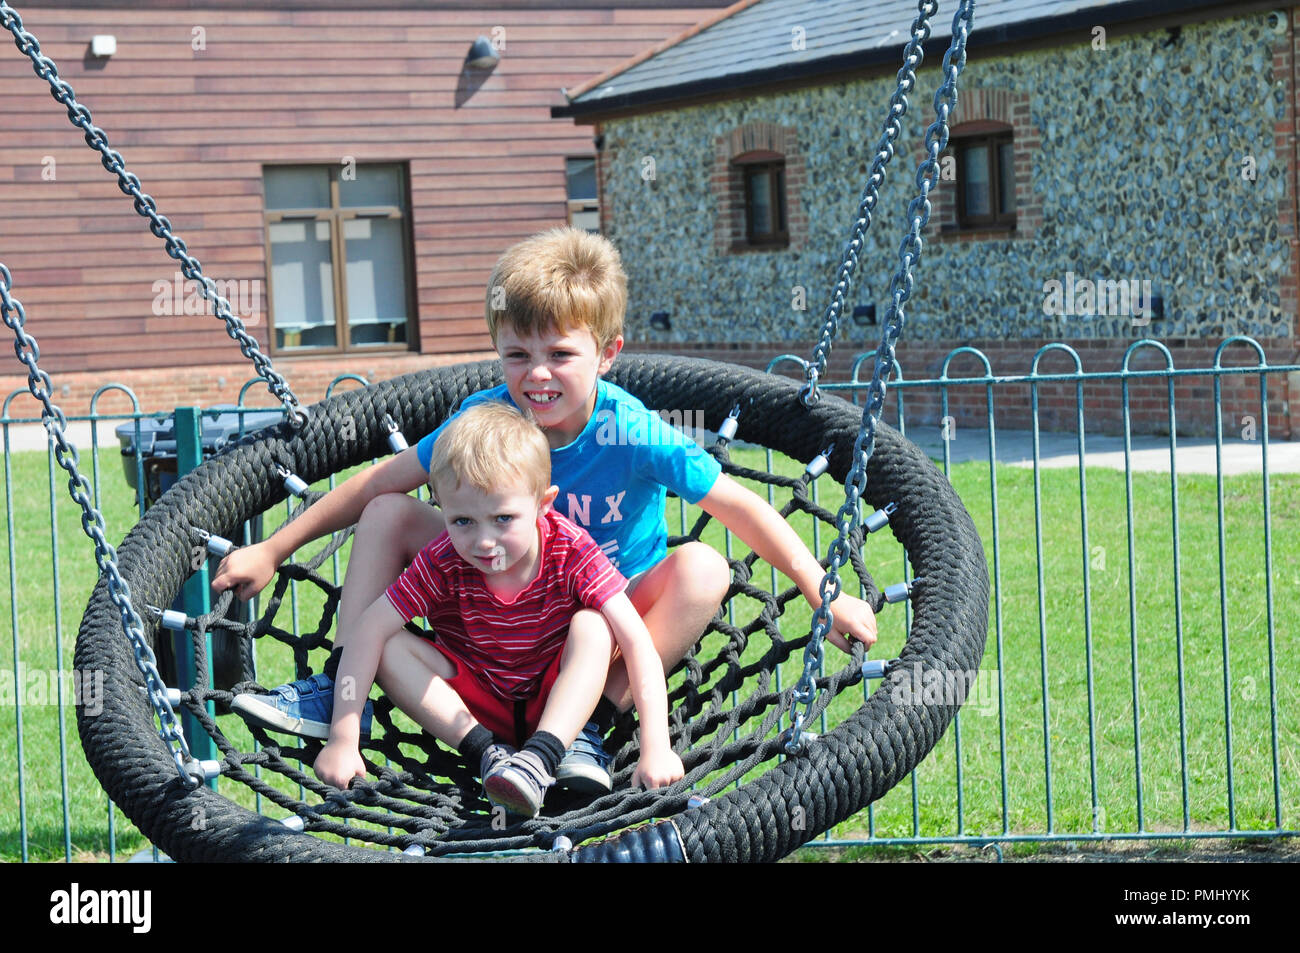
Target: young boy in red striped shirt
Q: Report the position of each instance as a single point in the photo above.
(527, 613)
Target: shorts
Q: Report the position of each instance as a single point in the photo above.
(513, 722)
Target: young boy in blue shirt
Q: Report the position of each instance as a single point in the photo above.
(555, 307)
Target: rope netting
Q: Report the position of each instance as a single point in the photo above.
(727, 707)
(728, 697)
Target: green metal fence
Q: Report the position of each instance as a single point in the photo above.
(1199, 777)
(1132, 666)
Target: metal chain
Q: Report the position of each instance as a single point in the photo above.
(913, 56)
(900, 289)
(92, 521)
(145, 205)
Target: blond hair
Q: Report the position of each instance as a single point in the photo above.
(559, 280)
(488, 446)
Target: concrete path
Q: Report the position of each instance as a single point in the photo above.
(34, 437)
(1150, 454)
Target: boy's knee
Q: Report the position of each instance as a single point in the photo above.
(394, 659)
(388, 509)
(402, 522)
(704, 571)
(405, 653)
(382, 514)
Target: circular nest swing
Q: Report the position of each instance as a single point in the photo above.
(725, 710)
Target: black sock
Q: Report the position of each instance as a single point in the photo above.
(604, 715)
(547, 747)
(477, 740)
(332, 663)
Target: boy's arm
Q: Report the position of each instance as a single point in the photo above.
(659, 764)
(764, 531)
(247, 570)
(340, 760)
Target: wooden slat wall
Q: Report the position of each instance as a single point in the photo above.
(278, 85)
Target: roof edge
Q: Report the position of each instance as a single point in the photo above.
(672, 41)
(1182, 11)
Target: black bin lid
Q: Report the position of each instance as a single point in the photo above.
(220, 425)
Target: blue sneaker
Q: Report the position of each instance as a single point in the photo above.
(585, 768)
(303, 708)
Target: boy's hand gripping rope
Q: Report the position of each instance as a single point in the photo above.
(846, 520)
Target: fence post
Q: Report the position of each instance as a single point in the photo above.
(189, 454)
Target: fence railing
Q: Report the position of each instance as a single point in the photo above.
(1192, 788)
(37, 681)
(1132, 664)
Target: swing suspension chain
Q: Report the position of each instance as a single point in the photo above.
(913, 56)
(900, 289)
(92, 522)
(129, 183)
(848, 516)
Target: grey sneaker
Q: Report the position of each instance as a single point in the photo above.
(518, 783)
(493, 755)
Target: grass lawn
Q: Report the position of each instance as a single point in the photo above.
(1073, 705)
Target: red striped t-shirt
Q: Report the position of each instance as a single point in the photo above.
(510, 644)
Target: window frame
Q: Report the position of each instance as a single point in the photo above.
(994, 139)
(337, 216)
(578, 205)
(749, 165)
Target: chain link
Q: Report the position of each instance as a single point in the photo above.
(54, 420)
(144, 204)
(92, 522)
(900, 289)
(913, 55)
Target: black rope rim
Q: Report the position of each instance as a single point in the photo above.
(839, 773)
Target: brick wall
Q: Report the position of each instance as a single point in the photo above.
(727, 183)
(161, 389)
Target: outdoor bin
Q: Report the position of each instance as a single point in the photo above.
(232, 656)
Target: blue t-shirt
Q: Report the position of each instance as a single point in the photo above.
(613, 478)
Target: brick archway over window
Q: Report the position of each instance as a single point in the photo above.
(728, 183)
(982, 111)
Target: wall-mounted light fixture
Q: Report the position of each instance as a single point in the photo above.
(103, 46)
(482, 55)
